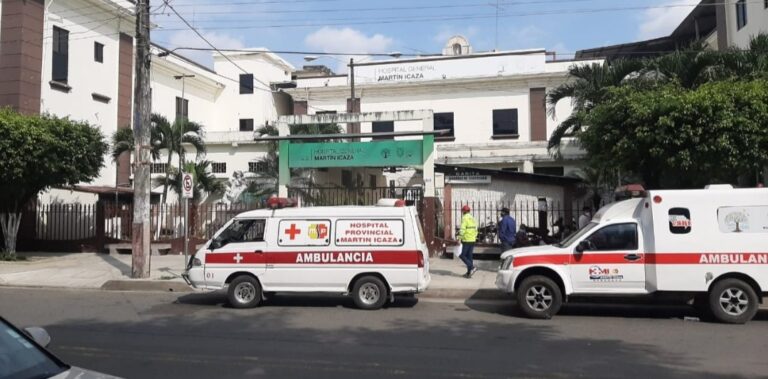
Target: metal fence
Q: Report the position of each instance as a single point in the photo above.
(331, 196)
(95, 224)
(554, 218)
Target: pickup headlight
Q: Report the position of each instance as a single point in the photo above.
(506, 263)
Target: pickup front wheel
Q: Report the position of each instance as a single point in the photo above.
(539, 297)
(733, 301)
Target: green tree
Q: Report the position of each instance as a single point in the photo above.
(674, 137)
(40, 152)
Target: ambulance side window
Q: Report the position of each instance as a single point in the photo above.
(249, 230)
(614, 237)
(679, 220)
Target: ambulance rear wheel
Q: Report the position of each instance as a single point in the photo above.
(539, 297)
(369, 292)
(733, 301)
(244, 292)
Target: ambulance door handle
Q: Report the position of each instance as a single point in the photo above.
(632, 257)
(258, 251)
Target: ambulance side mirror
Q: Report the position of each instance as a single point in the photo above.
(215, 244)
(583, 245)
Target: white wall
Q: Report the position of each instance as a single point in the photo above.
(262, 105)
(86, 24)
(757, 22)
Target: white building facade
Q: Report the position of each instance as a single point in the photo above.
(490, 105)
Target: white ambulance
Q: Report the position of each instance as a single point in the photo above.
(369, 252)
(709, 246)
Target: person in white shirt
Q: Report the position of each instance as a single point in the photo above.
(585, 217)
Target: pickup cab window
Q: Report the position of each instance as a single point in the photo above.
(614, 237)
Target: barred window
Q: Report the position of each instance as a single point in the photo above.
(219, 167)
(158, 168)
(257, 166)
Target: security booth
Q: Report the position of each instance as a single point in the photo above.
(313, 151)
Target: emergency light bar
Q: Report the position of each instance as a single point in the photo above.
(391, 203)
(275, 202)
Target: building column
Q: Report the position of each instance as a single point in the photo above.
(21, 54)
(124, 104)
(528, 167)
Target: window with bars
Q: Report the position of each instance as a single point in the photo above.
(257, 166)
(60, 55)
(158, 168)
(219, 167)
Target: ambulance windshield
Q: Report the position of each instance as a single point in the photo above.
(573, 237)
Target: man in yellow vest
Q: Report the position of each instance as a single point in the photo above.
(468, 237)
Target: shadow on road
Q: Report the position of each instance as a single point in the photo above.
(586, 309)
(287, 300)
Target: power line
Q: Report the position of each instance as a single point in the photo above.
(294, 52)
(214, 47)
(401, 20)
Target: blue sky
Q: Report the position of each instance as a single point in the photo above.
(412, 26)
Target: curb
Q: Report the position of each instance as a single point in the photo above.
(145, 285)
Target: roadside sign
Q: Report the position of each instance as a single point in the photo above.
(187, 185)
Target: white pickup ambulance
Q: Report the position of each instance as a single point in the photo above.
(369, 252)
(708, 245)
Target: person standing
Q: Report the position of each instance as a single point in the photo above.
(468, 237)
(507, 230)
(586, 216)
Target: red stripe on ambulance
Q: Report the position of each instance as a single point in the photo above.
(398, 257)
(654, 258)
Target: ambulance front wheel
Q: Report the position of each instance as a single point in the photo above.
(733, 301)
(369, 292)
(244, 292)
(539, 297)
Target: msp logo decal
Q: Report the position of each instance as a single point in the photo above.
(318, 231)
(600, 274)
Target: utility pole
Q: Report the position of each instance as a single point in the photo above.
(353, 127)
(141, 135)
(184, 113)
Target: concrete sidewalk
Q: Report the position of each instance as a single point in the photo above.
(112, 272)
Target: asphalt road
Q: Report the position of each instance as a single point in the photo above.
(167, 335)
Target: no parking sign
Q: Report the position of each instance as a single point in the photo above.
(187, 185)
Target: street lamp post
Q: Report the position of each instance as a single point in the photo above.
(184, 111)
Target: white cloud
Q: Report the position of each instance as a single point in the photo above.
(332, 40)
(188, 38)
(660, 22)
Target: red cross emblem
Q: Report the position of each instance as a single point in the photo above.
(293, 231)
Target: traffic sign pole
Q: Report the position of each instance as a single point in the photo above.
(188, 186)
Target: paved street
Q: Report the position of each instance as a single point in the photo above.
(144, 335)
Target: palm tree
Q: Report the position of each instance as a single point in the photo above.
(169, 137)
(164, 136)
(587, 85)
(267, 179)
(206, 184)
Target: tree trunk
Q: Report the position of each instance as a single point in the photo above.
(10, 226)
